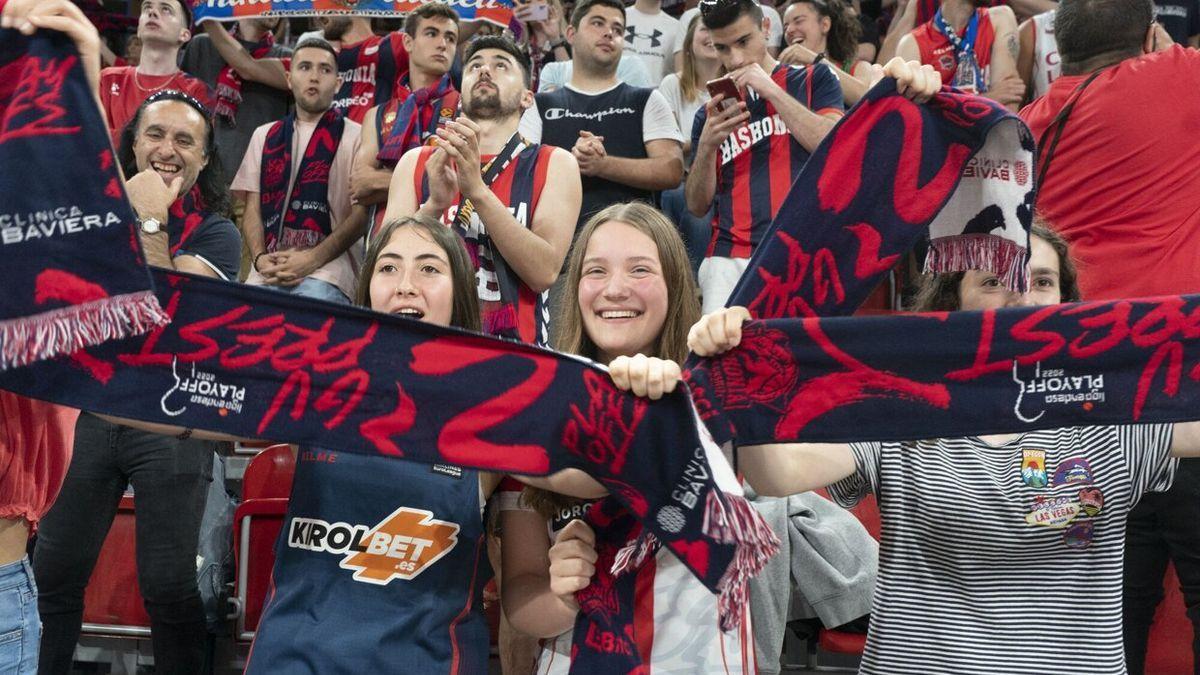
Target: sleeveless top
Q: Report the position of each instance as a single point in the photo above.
(508, 307)
(937, 51)
(1046, 64)
(379, 568)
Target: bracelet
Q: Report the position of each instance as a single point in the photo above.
(187, 433)
(255, 263)
(818, 58)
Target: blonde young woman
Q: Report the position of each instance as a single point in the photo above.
(686, 93)
(632, 297)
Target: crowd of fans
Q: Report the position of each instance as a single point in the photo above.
(276, 151)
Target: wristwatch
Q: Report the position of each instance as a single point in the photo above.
(151, 225)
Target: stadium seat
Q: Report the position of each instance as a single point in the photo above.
(256, 525)
(1169, 651)
(112, 602)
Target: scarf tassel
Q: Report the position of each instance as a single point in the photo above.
(65, 330)
(1004, 257)
(634, 554)
(733, 520)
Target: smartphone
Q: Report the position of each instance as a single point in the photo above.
(538, 11)
(726, 86)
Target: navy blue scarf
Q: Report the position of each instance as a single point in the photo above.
(299, 219)
(61, 195)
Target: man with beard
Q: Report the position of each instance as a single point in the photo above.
(301, 230)
(163, 27)
(973, 46)
(425, 100)
(624, 138)
(482, 178)
(240, 106)
(369, 65)
(167, 150)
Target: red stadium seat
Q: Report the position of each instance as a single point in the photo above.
(112, 602)
(256, 524)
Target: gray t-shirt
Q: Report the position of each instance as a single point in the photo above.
(260, 103)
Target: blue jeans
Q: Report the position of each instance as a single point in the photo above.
(20, 628)
(695, 230)
(316, 289)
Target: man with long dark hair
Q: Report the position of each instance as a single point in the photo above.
(177, 190)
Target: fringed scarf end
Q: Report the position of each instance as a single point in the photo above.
(634, 554)
(1004, 257)
(65, 330)
(733, 520)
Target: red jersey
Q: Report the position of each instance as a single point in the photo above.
(508, 307)
(937, 51)
(122, 90)
(757, 163)
(370, 71)
(1123, 180)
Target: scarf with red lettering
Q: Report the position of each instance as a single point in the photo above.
(415, 118)
(229, 83)
(73, 270)
(299, 217)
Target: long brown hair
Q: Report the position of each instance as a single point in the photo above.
(464, 311)
(841, 43)
(689, 84)
(683, 308)
(940, 292)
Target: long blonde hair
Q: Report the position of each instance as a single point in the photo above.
(689, 84)
(683, 307)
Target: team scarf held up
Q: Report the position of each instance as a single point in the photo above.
(252, 362)
(498, 12)
(298, 217)
(229, 83)
(61, 195)
(415, 119)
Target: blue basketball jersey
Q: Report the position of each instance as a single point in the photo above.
(379, 569)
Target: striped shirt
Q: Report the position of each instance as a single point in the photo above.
(759, 160)
(1004, 559)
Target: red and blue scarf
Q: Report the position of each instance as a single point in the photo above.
(415, 119)
(229, 83)
(299, 218)
(74, 273)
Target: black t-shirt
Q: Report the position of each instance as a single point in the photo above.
(1180, 18)
(617, 115)
(216, 241)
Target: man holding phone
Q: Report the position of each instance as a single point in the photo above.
(751, 139)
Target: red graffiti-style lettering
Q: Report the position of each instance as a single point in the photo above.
(868, 263)
(54, 285)
(604, 433)
(298, 380)
(780, 295)
(981, 366)
(459, 440)
(826, 278)
(841, 179)
(381, 429)
(1115, 316)
(35, 105)
(1172, 352)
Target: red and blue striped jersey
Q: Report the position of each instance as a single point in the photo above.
(757, 163)
(370, 71)
(508, 307)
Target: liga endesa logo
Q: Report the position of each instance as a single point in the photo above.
(401, 546)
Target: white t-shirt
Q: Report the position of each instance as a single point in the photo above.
(630, 70)
(652, 38)
(684, 111)
(342, 271)
(774, 26)
(1004, 559)
(657, 119)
